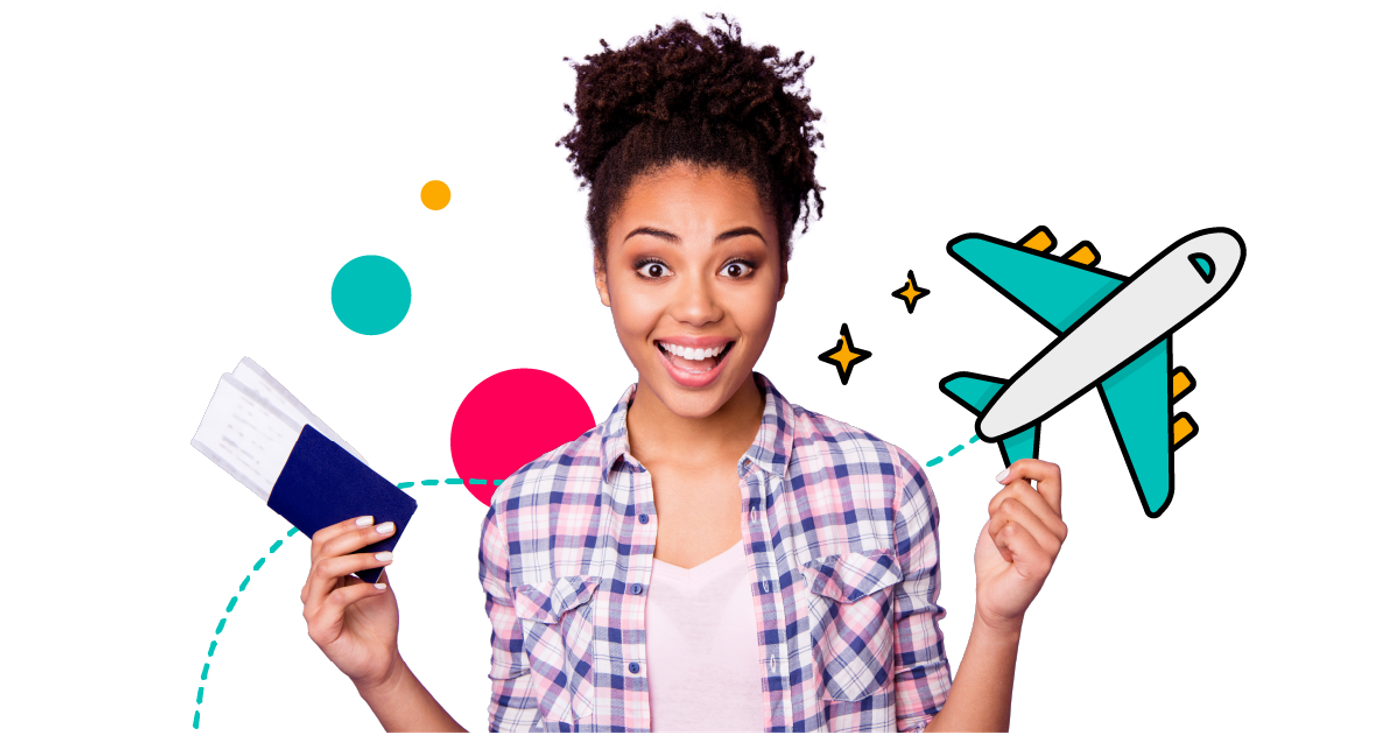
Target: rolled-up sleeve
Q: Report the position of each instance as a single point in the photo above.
(922, 677)
(512, 706)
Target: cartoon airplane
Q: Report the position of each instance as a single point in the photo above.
(1114, 333)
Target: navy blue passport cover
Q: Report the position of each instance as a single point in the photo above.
(322, 484)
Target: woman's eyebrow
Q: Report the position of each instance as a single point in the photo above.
(658, 233)
(739, 232)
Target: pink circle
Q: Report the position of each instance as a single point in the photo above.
(510, 419)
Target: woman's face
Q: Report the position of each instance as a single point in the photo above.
(693, 279)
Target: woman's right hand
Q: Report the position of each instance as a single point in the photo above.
(356, 624)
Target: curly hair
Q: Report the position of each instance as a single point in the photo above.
(677, 95)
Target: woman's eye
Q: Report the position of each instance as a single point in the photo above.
(654, 269)
(737, 269)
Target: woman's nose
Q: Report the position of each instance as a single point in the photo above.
(696, 303)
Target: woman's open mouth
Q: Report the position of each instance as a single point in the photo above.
(690, 366)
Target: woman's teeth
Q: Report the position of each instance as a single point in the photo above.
(695, 361)
(686, 352)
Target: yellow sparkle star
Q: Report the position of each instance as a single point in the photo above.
(845, 356)
(911, 293)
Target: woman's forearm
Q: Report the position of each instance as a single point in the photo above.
(402, 703)
(981, 696)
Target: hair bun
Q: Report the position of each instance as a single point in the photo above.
(678, 72)
(678, 78)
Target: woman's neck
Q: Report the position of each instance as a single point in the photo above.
(656, 435)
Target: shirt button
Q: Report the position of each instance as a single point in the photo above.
(636, 589)
(643, 519)
(634, 668)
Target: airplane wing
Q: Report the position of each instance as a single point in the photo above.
(1138, 398)
(1057, 291)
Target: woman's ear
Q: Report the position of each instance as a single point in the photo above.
(600, 278)
(782, 286)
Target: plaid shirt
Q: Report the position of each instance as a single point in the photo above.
(840, 531)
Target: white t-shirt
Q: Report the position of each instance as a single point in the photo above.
(704, 667)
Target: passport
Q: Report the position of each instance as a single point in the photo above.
(322, 484)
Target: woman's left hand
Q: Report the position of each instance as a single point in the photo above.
(1019, 543)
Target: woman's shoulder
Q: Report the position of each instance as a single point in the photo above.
(824, 439)
(574, 465)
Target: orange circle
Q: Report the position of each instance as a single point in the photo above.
(435, 195)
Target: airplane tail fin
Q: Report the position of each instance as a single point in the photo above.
(975, 392)
(972, 391)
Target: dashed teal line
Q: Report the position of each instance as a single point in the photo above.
(956, 450)
(448, 481)
(242, 587)
(213, 645)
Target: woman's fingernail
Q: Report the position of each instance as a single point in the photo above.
(380, 586)
(364, 521)
(385, 528)
(1001, 477)
(381, 556)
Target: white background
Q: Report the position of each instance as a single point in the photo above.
(180, 183)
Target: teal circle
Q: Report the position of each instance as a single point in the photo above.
(371, 295)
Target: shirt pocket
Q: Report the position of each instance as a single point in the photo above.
(556, 619)
(849, 615)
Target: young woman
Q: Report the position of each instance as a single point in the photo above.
(710, 557)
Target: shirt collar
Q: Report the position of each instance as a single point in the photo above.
(771, 448)
(615, 430)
